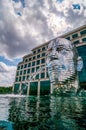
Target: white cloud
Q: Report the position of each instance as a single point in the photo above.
(7, 74)
(40, 21)
(3, 67)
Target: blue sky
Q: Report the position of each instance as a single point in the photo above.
(25, 24)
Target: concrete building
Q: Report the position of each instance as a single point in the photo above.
(31, 74)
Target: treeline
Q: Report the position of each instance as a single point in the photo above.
(5, 90)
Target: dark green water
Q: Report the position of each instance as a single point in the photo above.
(43, 113)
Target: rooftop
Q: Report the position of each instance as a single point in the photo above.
(64, 35)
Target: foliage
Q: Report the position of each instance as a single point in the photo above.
(5, 90)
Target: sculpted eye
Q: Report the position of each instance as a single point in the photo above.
(59, 49)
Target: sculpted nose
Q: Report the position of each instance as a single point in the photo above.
(54, 53)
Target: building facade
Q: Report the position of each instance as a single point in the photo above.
(32, 74)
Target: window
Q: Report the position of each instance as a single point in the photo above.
(17, 79)
(43, 54)
(83, 32)
(33, 63)
(38, 56)
(76, 42)
(43, 48)
(21, 66)
(37, 68)
(26, 60)
(27, 77)
(43, 67)
(25, 66)
(18, 67)
(75, 35)
(42, 60)
(34, 57)
(37, 76)
(23, 78)
(17, 73)
(34, 52)
(84, 40)
(29, 64)
(45, 87)
(28, 71)
(42, 75)
(33, 70)
(38, 62)
(38, 50)
(68, 38)
(30, 59)
(20, 72)
(24, 71)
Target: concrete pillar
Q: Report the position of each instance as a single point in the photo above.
(28, 89)
(51, 88)
(13, 88)
(20, 90)
(70, 37)
(80, 38)
(38, 93)
(79, 33)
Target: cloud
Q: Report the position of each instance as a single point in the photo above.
(39, 22)
(7, 74)
(3, 67)
(77, 16)
(18, 35)
(25, 24)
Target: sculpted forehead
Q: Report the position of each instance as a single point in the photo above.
(60, 42)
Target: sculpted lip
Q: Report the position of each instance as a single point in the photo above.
(53, 58)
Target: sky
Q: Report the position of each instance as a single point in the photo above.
(25, 24)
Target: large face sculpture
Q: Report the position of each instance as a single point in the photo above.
(62, 61)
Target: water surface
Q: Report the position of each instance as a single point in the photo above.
(42, 113)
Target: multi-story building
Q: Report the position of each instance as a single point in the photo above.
(32, 75)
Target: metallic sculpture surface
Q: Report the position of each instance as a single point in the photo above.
(63, 64)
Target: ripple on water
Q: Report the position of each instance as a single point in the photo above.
(43, 113)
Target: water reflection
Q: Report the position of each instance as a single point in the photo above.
(48, 113)
(4, 106)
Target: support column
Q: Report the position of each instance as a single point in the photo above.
(28, 89)
(13, 88)
(20, 91)
(51, 88)
(38, 93)
(80, 38)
